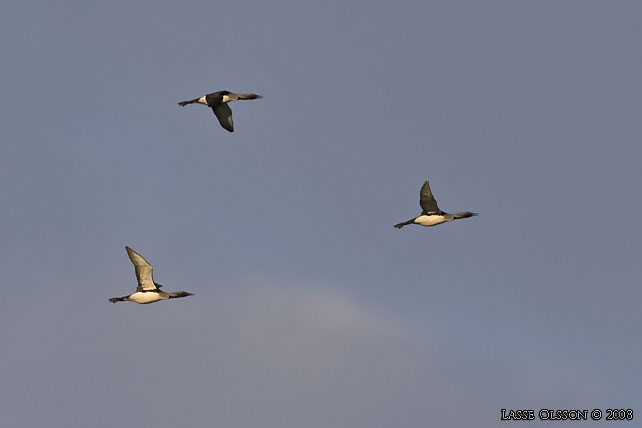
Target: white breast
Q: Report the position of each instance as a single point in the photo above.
(140, 297)
(430, 220)
(202, 100)
(226, 99)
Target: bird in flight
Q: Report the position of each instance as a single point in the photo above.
(431, 215)
(217, 101)
(147, 291)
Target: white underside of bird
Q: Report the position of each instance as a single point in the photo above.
(147, 297)
(431, 220)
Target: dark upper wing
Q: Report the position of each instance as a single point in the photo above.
(143, 271)
(427, 200)
(224, 115)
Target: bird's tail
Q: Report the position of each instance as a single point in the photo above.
(249, 96)
(118, 299)
(405, 223)
(184, 103)
(465, 214)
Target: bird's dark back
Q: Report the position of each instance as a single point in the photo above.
(215, 98)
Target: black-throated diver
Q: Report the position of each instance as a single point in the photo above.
(217, 101)
(431, 215)
(147, 290)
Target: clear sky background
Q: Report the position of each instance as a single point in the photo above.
(310, 309)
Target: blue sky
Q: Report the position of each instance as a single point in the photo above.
(310, 309)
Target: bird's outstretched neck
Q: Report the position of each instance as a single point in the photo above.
(118, 299)
(249, 96)
(464, 214)
(178, 294)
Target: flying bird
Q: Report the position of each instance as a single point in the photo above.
(147, 290)
(217, 101)
(431, 215)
